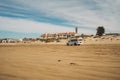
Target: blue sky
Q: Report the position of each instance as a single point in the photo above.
(50, 16)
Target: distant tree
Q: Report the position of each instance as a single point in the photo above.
(100, 31)
(82, 35)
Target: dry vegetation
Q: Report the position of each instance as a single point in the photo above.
(60, 62)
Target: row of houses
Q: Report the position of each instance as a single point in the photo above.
(63, 35)
(10, 40)
(48, 37)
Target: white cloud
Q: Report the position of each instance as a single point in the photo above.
(76, 12)
(26, 26)
(21, 25)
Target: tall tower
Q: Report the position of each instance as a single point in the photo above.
(76, 30)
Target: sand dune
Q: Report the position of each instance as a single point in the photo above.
(60, 62)
(103, 40)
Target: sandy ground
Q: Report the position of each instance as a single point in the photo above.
(103, 40)
(60, 62)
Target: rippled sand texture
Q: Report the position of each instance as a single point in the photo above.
(60, 62)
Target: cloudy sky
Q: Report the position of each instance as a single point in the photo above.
(50, 16)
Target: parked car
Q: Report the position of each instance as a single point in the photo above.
(74, 41)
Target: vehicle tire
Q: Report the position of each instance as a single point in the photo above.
(75, 44)
(78, 44)
(67, 44)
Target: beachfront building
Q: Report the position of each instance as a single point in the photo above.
(63, 35)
